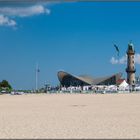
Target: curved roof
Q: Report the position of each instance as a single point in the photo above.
(65, 77)
(85, 79)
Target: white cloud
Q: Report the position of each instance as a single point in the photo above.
(8, 13)
(123, 60)
(137, 58)
(24, 11)
(5, 21)
(114, 61)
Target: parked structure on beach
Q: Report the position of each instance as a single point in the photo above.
(131, 65)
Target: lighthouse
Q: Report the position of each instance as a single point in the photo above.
(130, 65)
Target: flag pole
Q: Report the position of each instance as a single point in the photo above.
(37, 70)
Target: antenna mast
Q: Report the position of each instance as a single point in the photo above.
(37, 72)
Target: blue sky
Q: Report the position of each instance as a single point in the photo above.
(76, 37)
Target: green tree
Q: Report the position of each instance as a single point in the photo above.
(5, 85)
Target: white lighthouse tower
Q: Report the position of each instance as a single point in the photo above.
(131, 65)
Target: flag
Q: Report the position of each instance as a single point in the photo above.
(38, 70)
(117, 49)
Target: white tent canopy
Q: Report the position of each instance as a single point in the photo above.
(123, 84)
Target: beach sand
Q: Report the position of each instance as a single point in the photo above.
(70, 116)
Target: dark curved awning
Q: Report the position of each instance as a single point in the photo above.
(67, 79)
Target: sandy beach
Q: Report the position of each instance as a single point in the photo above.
(70, 116)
